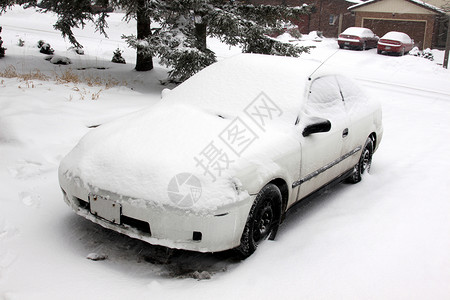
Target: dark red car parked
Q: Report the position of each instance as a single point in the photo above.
(395, 42)
(357, 38)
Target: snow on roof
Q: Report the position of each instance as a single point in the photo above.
(417, 2)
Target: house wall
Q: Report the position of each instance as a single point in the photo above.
(329, 11)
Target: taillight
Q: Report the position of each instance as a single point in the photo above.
(397, 43)
(350, 37)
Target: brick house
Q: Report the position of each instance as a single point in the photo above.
(331, 17)
(423, 22)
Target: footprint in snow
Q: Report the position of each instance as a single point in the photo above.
(30, 200)
(25, 169)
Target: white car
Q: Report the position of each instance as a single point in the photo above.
(219, 160)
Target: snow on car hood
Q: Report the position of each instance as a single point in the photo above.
(216, 126)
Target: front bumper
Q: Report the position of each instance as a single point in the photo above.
(171, 227)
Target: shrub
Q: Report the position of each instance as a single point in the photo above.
(59, 60)
(77, 50)
(425, 53)
(47, 49)
(117, 57)
(40, 43)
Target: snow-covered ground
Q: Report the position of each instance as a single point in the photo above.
(387, 237)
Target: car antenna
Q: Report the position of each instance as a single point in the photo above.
(309, 77)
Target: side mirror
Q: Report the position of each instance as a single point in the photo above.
(320, 126)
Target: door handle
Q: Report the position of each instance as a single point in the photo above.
(345, 132)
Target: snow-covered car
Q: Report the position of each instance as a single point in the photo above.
(395, 42)
(219, 160)
(357, 38)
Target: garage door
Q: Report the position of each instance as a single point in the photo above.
(415, 29)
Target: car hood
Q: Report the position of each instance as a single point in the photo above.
(156, 153)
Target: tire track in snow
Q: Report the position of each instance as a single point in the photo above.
(398, 87)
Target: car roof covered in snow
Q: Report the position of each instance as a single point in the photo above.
(397, 36)
(358, 31)
(229, 86)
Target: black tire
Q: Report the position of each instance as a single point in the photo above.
(341, 46)
(263, 219)
(379, 51)
(364, 163)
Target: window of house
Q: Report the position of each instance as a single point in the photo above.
(332, 20)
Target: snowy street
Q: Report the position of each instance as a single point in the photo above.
(387, 237)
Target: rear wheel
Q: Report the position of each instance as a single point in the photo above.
(263, 219)
(364, 163)
(379, 51)
(364, 46)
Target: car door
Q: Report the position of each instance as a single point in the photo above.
(320, 152)
(357, 109)
(372, 39)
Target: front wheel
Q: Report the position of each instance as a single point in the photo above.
(264, 217)
(364, 162)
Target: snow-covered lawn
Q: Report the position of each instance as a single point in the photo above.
(387, 237)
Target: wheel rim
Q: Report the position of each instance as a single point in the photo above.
(263, 224)
(366, 161)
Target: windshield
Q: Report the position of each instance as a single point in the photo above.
(229, 87)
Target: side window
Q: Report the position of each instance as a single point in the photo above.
(325, 101)
(332, 20)
(325, 98)
(354, 98)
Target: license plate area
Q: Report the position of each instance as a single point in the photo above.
(105, 208)
(388, 48)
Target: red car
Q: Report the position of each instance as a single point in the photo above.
(357, 38)
(395, 42)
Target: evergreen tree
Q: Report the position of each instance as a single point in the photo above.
(4, 4)
(117, 57)
(2, 49)
(180, 39)
(75, 14)
(180, 42)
